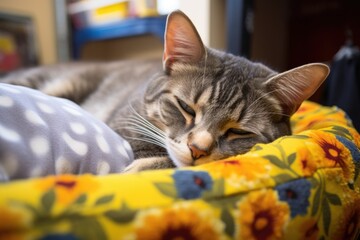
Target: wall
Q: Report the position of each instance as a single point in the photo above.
(42, 13)
(208, 17)
(217, 24)
(270, 37)
(199, 13)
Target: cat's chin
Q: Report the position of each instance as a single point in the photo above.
(180, 157)
(180, 161)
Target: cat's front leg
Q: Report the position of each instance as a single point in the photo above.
(151, 163)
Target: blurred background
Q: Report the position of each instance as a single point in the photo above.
(280, 33)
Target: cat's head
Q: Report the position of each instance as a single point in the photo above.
(212, 104)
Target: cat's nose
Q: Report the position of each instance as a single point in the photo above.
(197, 152)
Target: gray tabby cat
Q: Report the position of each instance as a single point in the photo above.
(201, 105)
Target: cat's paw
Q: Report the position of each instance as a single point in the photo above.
(151, 163)
(134, 167)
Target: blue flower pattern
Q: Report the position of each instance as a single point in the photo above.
(296, 193)
(191, 184)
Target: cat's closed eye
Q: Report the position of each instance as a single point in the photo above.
(186, 108)
(238, 133)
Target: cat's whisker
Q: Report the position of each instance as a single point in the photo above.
(164, 139)
(145, 132)
(147, 137)
(139, 125)
(147, 140)
(148, 126)
(138, 117)
(172, 142)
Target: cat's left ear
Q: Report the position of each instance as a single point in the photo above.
(182, 41)
(296, 85)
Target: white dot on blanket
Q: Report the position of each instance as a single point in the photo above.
(34, 118)
(62, 165)
(8, 134)
(45, 108)
(6, 101)
(97, 128)
(77, 128)
(122, 150)
(127, 146)
(71, 110)
(103, 145)
(103, 168)
(78, 147)
(39, 145)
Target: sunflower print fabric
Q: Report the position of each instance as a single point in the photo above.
(304, 186)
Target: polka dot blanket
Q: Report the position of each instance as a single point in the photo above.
(42, 135)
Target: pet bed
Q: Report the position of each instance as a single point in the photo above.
(303, 186)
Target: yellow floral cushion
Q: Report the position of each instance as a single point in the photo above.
(304, 186)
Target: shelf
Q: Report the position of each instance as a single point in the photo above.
(125, 28)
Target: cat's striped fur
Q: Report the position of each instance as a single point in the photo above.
(201, 105)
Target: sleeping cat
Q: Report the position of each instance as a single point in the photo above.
(201, 105)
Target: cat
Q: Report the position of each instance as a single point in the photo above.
(198, 106)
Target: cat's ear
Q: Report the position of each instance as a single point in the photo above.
(296, 85)
(182, 41)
